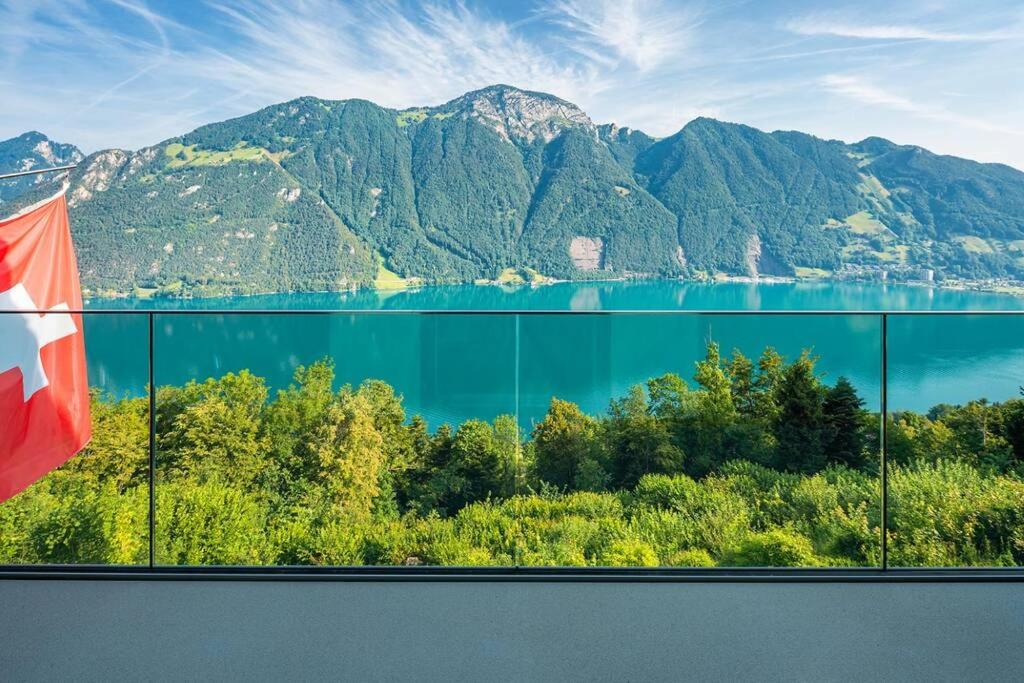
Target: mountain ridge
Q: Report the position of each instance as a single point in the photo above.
(333, 194)
(27, 151)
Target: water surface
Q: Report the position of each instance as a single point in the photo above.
(453, 367)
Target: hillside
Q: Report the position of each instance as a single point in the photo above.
(29, 151)
(325, 195)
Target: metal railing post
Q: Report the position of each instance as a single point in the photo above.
(884, 435)
(152, 450)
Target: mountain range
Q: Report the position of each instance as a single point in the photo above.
(505, 184)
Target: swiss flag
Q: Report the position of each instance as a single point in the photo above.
(44, 388)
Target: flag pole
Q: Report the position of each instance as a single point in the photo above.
(55, 169)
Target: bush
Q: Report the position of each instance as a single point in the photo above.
(775, 548)
(629, 553)
(693, 557)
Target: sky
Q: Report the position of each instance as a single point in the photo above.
(948, 76)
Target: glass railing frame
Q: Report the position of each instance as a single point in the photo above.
(880, 573)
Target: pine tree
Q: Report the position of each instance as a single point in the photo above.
(800, 425)
(846, 440)
(740, 371)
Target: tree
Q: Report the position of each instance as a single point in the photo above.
(292, 418)
(715, 402)
(770, 372)
(217, 429)
(799, 426)
(981, 434)
(844, 417)
(1013, 424)
(389, 420)
(567, 451)
(310, 477)
(508, 443)
(639, 442)
(483, 460)
(410, 483)
(703, 431)
(740, 371)
(913, 438)
(350, 451)
(669, 396)
(119, 449)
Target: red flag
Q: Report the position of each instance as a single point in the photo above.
(44, 388)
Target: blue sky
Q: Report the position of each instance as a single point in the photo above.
(126, 73)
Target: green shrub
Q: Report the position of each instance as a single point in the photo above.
(775, 548)
(628, 553)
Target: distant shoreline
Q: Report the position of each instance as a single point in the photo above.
(1009, 288)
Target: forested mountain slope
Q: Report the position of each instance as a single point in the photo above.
(321, 195)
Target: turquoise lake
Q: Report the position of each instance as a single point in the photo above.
(487, 361)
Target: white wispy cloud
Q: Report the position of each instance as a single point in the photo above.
(380, 52)
(126, 73)
(823, 26)
(864, 92)
(644, 33)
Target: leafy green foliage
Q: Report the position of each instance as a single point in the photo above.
(756, 464)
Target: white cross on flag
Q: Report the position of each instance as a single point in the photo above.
(44, 388)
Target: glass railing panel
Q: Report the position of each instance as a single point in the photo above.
(335, 439)
(693, 440)
(93, 509)
(956, 440)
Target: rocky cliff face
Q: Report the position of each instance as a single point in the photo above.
(99, 171)
(520, 114)
(30, 151)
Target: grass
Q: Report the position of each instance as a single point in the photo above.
(180, 155)
(411, 116)
(536, 277)
(973, 244)
(871, 185)
(862, 158)
(811, 273)
(886, 256)
(510, 276)
(863, 223)
(514, 277)
(387, 279)
(278, 156)
(891, 254)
